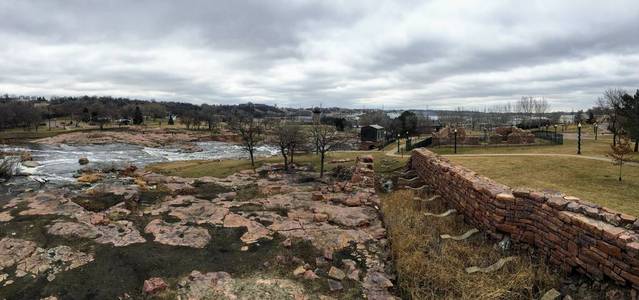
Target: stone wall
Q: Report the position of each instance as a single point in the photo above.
(573, 233)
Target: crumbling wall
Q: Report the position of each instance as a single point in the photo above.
(573, 233)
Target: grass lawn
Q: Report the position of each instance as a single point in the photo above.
(594, 181)
(589, 147)
(194, 169)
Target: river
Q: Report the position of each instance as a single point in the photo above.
(58, 163)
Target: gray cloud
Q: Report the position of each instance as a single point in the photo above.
(396, 54)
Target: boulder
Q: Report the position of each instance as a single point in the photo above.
(30, 164)
(366, 158)
(154, 285)
(552, 294)
(26, 156)
(83, 161)
(299, 271)
(310, 275)
(334, 285)
(336, 273)
(5, 216)
(99, 219)
(318, 196)
(90, 178)
(230, 196)
(320, 217)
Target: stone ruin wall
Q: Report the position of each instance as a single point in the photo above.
(572, 233)
(502, 135)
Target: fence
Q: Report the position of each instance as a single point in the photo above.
(551, 136)
(421, 144)
(485, 139)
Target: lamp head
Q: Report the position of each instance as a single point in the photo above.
(579, 125)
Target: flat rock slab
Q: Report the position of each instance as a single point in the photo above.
(118, 233)
(5, 216)
(464, 236)
(14, 250)
(176, 234)
(444, 214)
(46, 204)
(347, 216)
(28, 259)
(200, 212)
(494, 267)
(52, 261)
(220, 285)
(254, 230)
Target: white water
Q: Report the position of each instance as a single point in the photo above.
(60, 162)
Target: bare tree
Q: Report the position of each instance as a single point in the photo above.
(326, 138)
(610, 103)
(297, 140)
(526, 106)
(251, 134)
(619, 152)
(288, 137)
(540, 106)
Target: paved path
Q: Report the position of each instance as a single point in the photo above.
(599, 158)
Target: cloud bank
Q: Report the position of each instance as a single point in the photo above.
(391, 54)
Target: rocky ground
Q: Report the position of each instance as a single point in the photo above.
(252, 235)
(147, 137)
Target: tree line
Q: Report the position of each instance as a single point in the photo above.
(31, 112)
(621, 111)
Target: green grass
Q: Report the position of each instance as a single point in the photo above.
(594, 181)
(195, 169)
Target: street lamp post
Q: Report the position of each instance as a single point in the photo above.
(485, 135)
(555, 139)
(579, 138)
(455, 140)
(596, 128)
(398, 143)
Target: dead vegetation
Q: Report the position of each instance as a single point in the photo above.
(7, 166)
(431, 268)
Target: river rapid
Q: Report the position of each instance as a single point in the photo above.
(59, 163)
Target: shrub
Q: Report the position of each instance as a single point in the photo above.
(8, 167)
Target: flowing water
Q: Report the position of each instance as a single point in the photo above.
(58, 163)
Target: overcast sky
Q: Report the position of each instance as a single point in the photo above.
(396, 54)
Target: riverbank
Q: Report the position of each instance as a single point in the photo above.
(141, 136)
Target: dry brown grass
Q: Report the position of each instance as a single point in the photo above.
(431, 268)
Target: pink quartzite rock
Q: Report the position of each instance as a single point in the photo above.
(154, 285)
